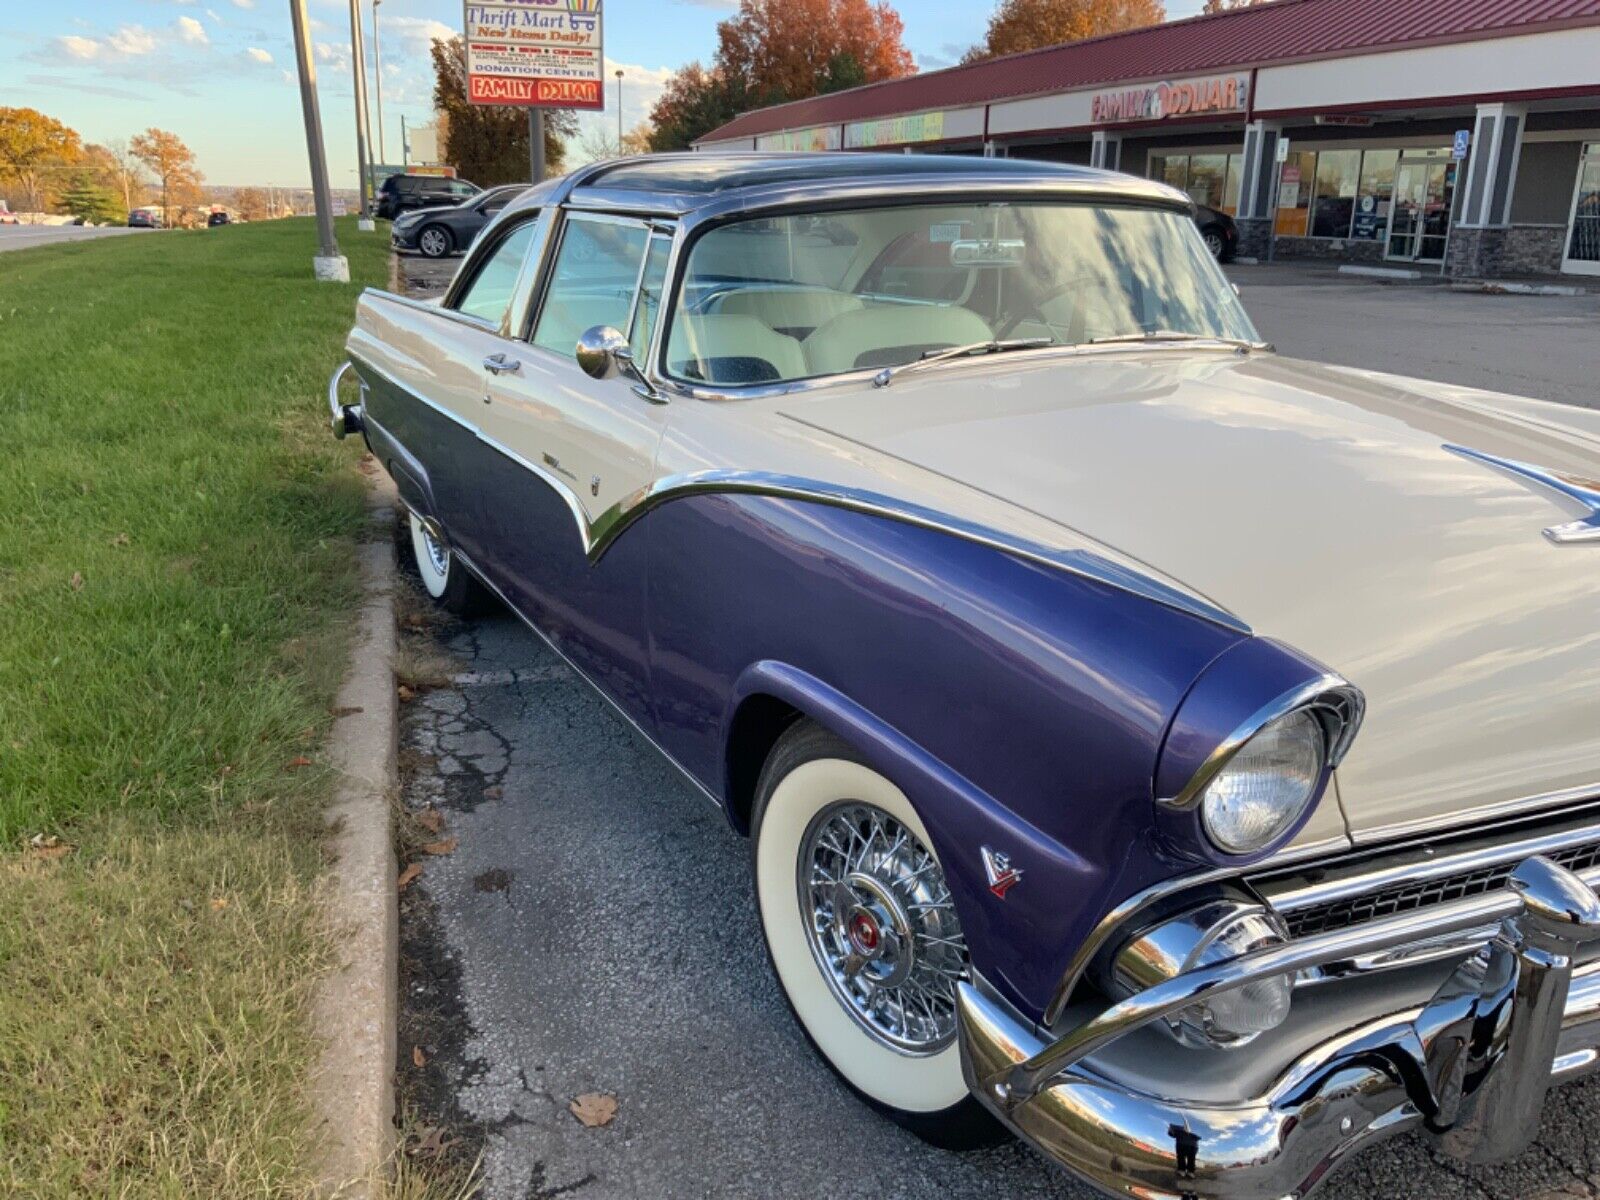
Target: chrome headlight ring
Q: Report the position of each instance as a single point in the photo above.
(1262, 778)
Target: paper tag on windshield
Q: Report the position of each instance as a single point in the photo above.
(949, 231)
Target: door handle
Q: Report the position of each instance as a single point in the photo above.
(501, 364)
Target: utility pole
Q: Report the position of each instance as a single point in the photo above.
(619, 111)
(535, 145)
(377, 74)
(363, 158)
(330, 266)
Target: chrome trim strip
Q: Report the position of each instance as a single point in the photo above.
(1320, 693)
(597, 536)
(1524, 806)
(583, 675)
(434, 308)
(1574, 487)
(1327, 891)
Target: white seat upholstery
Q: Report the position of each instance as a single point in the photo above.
(721, 348)
(788, 308)
(870, 337)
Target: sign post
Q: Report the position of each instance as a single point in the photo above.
(535, 54)
(1458, 149)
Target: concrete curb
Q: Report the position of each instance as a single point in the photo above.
(354, 1010)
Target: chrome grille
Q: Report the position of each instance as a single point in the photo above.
(1407, 897)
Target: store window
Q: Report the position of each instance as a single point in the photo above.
(1207, 175)
(1209, 179)
(1333, 202)
(1374, 195)
(1295, 181)
(1173, 170)
(1230, 189)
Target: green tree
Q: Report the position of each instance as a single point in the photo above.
(488, 143)
(85, 197)
(695, 102)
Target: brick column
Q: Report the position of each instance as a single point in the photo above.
(1258, 177)
(1479, 237)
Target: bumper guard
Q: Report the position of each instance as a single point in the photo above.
(343, 419)
(1472, 1065)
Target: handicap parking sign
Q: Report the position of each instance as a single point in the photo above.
(1463, 140)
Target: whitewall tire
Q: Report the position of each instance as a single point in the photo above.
(868, 963)
(443, 577)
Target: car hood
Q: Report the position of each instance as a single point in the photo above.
(1326, 509)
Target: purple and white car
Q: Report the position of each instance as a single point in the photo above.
(1187, 755)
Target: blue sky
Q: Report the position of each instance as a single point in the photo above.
(219, 73)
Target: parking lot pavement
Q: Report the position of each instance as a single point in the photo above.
(426, 277)
(593, 930)
(1541, 346)
(20, 237)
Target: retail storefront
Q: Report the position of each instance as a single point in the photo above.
(1454, 135)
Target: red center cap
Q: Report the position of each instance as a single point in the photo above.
(864, 932)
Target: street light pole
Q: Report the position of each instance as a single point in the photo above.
(330, 266)
(619, 110)
(536, 145)
(377, 74)
(363, 160)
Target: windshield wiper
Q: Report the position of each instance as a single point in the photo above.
(1173, 335)
(972, 349)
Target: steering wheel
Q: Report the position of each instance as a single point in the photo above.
(1077, 324)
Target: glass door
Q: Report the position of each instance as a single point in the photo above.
(1582, 255)
(1419, 219)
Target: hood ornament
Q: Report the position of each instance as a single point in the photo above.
(1001, 874)
(1574, 487)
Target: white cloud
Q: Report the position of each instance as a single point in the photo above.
(418, 33)
(191, 31)
(260, 55)
(132, 39)
(244, 3)
(81, 48)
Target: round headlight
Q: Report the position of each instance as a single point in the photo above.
(1266, 785)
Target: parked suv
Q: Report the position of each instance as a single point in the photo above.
(401, 193)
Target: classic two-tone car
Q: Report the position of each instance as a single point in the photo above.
(1187, 755)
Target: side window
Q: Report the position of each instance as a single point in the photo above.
(596, 271)
(488, 295)
(457, 188)
(650, 285)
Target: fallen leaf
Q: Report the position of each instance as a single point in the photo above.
(76, 582)
(407, 693)
(48, 847)
(219, 903)
(594, 1109)
(493, 793)
(344, 711)
(408, 876)
(299, 760)
(431, 1143)
(447, 846)
(121, 539)
(431, 819)
(418, 1058)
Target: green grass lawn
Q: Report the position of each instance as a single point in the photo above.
(174, 570)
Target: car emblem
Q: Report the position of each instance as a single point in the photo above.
(1002, 875)
(1574, 487)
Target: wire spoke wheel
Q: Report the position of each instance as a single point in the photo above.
(882, 926)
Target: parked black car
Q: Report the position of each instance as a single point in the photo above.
(437, 232)
(1220, 234)
(218, 218)
(403, 193)
(140, 219)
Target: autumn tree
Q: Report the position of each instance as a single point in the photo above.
(599, 142)
(173, 164)
(32, 143)
(252, 203)
(488, 143)
(776, 50)
(1019, 25)
(123, 171)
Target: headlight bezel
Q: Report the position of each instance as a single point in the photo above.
(1337, 708)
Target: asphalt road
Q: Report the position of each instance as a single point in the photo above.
(593, 931)
(21, 237)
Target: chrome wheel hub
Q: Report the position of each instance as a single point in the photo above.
(881, 926)
(438, 553)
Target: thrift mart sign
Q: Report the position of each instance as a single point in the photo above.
(535, 53)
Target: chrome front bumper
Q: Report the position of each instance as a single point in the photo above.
(1471, 1065)
(343, 418)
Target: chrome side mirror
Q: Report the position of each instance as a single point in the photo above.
(604, 353)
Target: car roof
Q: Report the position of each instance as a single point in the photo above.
(679, 184)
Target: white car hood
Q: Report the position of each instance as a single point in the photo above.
(1323, 508)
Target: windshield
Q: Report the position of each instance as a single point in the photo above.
(770, 300)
